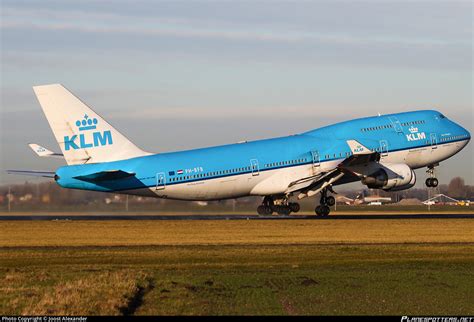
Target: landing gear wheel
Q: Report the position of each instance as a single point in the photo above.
(330, 201)
(322, 210)
(294, 206)
(267, 206)
(432, 182)
(326, 210)
(324, 203)
(428, 182)
(318, 210)
(284, 210)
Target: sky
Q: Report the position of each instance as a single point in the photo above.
(174, 75)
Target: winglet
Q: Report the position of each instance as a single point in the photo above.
(357, 148)
(43, 152)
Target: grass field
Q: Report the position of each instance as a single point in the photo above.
(409, 267)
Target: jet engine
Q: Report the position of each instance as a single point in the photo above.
(391, 177)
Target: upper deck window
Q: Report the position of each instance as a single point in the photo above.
(442, 116)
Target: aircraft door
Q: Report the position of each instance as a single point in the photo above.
(316, 158)
(383, 148)
(254, 167)
(434, 141)
(397, 126)
(160, 181)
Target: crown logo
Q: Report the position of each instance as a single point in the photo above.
(86, 123)
(413, 129)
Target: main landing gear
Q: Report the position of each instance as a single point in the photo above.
(431, 182)
(280, 206)
(323, 209)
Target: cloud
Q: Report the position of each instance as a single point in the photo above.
(113, 23)
(337, 34)
(295, 112)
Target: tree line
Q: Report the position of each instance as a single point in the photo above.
(49, 196)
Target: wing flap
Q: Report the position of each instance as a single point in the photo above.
(307, 182)
(325, 181)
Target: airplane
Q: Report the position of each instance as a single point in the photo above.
(380, 151)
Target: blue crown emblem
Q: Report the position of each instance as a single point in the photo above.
(86, 123)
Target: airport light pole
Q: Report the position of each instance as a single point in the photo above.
(9, 196)
(429, 197)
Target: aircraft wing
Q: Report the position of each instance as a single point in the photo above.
(43, 152)
(310, 186)
(326, 181)
(44, 174)
(105, 176)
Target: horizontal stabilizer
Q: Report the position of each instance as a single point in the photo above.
(44, 174)
(43, 152)
(105, 176)
(357, 148)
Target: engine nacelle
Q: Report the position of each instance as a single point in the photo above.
(391, 177)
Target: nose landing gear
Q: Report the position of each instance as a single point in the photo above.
(431, 182)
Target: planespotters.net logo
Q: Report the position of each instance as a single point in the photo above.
(437, 319)
(87, 139)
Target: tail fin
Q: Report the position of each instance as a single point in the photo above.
(83, 136)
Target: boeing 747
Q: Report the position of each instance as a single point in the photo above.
(381, 152)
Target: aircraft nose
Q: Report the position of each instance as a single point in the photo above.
(465, 133)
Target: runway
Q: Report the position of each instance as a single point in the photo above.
(103, 217)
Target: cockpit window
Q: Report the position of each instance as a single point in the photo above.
(442, 116)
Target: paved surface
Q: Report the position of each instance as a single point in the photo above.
(235, 217)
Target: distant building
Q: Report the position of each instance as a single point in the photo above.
(376, 200)
(441, 199)
(45, 198)
(340, 199)
(27, 197)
